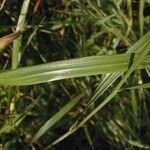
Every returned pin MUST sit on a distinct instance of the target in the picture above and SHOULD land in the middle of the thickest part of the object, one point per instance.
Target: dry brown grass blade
(7, 39)
(2, 3)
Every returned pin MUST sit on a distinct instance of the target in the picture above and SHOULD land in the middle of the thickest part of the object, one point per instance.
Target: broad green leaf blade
(54, 119)
(70, 68)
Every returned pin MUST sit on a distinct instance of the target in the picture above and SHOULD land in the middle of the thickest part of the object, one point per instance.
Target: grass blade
(68, 69)
(54, 119)
(20, 27)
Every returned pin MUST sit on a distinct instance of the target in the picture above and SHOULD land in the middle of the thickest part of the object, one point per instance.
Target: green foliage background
(72, 58)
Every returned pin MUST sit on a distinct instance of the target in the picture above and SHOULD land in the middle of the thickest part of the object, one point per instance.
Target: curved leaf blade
(79, 67)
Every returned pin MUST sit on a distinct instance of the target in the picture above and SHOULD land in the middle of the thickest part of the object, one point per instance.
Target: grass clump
(76, 76)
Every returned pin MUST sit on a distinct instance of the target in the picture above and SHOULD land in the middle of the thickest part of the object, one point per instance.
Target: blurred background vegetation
(64, 29)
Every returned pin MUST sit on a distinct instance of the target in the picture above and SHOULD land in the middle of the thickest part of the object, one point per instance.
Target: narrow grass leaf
(143, 86)
(141, 16)
(20, 26)
(54, 119)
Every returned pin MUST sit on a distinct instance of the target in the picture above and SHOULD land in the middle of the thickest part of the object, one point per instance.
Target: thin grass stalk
(141, 16)
(129, 8)
(134, 102)
(20, 27)
(16, 52)
(130, 21)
